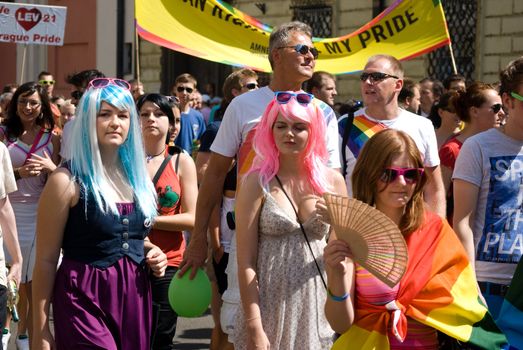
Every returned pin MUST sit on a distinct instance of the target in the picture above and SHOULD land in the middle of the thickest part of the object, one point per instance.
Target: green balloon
(190, 298)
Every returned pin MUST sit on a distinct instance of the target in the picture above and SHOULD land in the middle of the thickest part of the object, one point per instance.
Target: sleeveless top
(169, 193)
(374, 291)
(101, 239)
(29, 188)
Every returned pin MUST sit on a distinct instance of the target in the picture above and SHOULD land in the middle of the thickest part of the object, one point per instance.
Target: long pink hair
(315, 154)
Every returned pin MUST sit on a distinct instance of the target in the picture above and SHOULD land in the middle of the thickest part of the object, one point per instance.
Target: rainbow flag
(216, 31)
(438, 290)
(510, 318)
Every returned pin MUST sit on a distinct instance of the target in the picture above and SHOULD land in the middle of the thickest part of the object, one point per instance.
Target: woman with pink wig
(279, 236)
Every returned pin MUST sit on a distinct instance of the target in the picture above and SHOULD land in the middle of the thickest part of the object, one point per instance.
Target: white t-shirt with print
(7, 185)
(493, 162)
(420, 129)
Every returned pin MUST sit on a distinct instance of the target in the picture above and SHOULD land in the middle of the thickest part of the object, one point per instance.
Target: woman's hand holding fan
(375, 241)
(336, 254)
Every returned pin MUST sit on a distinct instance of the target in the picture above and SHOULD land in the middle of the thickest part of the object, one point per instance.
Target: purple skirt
(102, 309)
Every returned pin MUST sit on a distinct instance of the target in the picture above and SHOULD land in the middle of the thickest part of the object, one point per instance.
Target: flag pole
(453, 59)
(136, 47)
(23, 64)
(137, 53)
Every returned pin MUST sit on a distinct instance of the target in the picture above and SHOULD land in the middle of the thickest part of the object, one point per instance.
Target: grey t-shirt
(494, 162)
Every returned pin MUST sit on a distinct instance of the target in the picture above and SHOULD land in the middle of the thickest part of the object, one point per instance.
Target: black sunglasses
(376, 76)
(251, 86)
(496, 107)
(303, 49)
(411, 175)
(183, 88)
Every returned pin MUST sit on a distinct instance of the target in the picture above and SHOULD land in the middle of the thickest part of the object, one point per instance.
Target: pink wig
(315, 154)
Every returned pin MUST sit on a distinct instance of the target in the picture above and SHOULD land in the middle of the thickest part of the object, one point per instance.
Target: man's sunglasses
(376, 76)
(100, 83)
(302, 49)
(250, 86)
(516, 96)
(47, 82)
(183, 88)
(411, 175)
(283, 97)
(496, 107)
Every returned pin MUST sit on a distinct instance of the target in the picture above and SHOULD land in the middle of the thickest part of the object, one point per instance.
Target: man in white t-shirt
(7, 231)
(292, 57)
(381, 83)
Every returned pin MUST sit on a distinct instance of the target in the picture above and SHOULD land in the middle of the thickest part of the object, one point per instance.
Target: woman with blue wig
(98, 208)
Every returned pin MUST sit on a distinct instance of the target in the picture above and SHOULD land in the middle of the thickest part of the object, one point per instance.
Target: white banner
(32, 24)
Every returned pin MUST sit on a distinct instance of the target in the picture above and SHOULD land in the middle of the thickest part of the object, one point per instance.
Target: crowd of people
(105, 196)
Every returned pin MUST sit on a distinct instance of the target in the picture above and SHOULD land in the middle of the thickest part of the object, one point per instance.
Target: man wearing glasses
(192, 125)
(381, 82)
(292, 57)
(47, 81)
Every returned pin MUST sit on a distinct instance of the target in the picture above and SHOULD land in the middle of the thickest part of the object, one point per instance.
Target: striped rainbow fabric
(438, 290)
(510, 318)
(362, 130)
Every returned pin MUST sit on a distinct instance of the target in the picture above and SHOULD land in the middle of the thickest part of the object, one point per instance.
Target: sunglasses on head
(47, 82)
(183, 88)
(411, 175)
(496, 107)
(303, 98)
(302, 49)
(376, 76)
(100, 83)
(250, 86)
(516, 96)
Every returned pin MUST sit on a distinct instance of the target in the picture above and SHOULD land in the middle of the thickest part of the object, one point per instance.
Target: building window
(317, 14)
(461, 18)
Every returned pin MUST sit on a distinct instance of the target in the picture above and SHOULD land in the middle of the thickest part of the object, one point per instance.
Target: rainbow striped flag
(362, 130)
(510, 318)
(438, 290)
(216, 31)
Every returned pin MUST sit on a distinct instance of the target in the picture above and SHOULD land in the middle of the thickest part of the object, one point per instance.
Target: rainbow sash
(362, 130)
(438, 290)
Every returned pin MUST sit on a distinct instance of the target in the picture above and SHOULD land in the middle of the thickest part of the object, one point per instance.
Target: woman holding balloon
(174, 178)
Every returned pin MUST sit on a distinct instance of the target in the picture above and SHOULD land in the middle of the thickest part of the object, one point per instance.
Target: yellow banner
(218, 32)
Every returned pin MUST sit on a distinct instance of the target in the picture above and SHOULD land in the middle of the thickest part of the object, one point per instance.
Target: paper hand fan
(375, 240)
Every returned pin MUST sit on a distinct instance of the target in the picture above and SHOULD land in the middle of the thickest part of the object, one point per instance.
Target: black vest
(99, 239)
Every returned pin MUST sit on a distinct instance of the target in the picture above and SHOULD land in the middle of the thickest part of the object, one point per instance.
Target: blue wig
(86, 162)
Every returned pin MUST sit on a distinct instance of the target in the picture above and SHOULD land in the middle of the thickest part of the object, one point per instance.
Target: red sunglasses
(411, 175)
